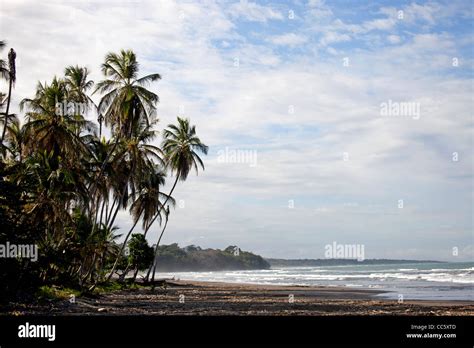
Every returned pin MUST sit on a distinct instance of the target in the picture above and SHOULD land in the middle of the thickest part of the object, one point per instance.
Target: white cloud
(290, 39)
(252, 11)
(318, 9)
(393, 39)
(333, 37)
(380, 24)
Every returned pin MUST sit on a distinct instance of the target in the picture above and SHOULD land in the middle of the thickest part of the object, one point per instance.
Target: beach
(180, 297)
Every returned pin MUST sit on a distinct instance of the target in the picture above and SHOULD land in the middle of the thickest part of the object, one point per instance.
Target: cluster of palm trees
(74, 180)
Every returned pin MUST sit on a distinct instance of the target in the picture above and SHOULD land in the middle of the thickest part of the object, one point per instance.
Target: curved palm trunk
(121, 250)
(89, 273)
(151, 223)
(156, 253)
(135, 275)
(125, 272)
(163, 205)
(110, 224)
(109, 213)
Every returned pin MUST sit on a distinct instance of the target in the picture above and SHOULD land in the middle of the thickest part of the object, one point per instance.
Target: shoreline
(182, 297)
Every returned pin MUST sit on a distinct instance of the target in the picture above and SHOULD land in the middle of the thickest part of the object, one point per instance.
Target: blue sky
(306, 97)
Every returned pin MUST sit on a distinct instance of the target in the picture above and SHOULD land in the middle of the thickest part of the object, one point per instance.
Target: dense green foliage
(17, 275)
(140, 254)
(63, 182)
(192, 258)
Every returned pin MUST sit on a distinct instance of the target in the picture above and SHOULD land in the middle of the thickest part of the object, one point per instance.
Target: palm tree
(179, 147)
(12, 79)
(149, 198)
(140, 157)
(46, 129)
(52, 186)
(126, 101)
(77, 83)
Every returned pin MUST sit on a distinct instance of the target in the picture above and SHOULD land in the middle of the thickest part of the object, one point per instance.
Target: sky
(352, 119)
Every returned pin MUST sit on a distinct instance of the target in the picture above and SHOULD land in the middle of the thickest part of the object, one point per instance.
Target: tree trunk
(108, 213)
(135, 275)
(5, 124)
(156, 250)
(89, 273)
(163, 205)
(121, 249)
(151, 223)
(113, 217)
(101, 212)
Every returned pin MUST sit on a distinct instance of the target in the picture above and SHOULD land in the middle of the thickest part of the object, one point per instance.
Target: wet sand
(212, 298)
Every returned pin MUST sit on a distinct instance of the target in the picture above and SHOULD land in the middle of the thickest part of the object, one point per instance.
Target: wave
(318, 276)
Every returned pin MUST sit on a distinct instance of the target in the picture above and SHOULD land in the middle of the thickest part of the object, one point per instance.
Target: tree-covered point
(192, 258)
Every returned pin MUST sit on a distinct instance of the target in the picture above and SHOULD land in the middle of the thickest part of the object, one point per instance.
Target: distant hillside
(336, 262)
(172, 258)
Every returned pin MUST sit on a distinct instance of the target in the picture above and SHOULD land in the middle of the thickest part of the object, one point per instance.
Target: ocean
(415, 281)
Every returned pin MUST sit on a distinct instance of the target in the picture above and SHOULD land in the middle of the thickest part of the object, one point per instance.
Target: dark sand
(209, 298)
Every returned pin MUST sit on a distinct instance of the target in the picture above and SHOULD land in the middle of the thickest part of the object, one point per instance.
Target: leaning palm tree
(11, 79)
(180, 147)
